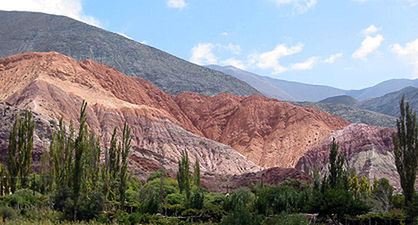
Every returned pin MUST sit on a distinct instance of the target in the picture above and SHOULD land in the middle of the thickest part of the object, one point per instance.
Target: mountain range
(38, 32)
(295, 91)
(172, 106)
(235, 138)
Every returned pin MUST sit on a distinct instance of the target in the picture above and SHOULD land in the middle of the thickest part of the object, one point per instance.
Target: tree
(196, 173)
(336, 167)
(183, 175)
(381, 195)
(406, 153)
(19, 154)
(126, 145)
(335, 200)
(79, 148)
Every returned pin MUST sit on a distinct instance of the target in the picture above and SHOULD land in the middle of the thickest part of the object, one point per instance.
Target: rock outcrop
(269, 132)
(368, 150)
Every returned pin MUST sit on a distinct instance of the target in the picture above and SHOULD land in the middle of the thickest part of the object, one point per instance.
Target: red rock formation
(55, 85)
(269, 132)
(368, 149)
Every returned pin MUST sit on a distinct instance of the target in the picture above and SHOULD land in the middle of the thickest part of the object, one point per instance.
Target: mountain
(368, 151)
(233, 137)
(341, 99)
(389, 103)
(260, 83)
(55, 85)
(382, 88)
(269, 132)
(353, 114)
(37, 32)
(281, 89)
(295, 91)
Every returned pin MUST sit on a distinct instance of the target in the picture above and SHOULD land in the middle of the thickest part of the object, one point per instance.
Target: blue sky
(348, 44)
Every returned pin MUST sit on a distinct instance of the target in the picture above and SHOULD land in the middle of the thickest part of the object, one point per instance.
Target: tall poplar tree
(406, 153)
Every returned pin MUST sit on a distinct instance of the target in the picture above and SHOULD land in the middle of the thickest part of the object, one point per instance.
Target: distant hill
(295, 91)
(382, 88)
(352, 114)
(281, 89)
(389, 103)
(38, 32)
(341, 99)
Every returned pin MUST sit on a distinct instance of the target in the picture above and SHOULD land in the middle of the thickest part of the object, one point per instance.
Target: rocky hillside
(353, 114)
(37, 32)
(269, 132)
(368, 149)
(52, 84)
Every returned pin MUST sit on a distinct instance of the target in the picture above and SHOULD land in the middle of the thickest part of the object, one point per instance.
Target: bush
(90, 206)
(7, 213)
(275, 199)
(24, 198)
(197, 200)
(286, 219)
(174, 198)
(241, 198)
(241, 216)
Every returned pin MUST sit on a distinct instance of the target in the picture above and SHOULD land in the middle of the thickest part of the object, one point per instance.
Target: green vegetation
(75, 187)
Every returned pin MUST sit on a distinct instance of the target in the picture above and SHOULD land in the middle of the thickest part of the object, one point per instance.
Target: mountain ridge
(296, 91)
(38, 32)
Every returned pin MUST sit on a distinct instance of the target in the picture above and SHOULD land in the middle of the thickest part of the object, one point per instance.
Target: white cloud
(234, 62)
(179, 4)
(235, 49)
(224, 34)
(270, 59)
(369, 45)
(371, 30)
(70, 8)
(409, 53)
(300, 6)
(333, 58)
(307, 65)
(202, 54)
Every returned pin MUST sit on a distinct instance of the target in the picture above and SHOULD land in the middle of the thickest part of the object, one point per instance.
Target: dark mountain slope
(389, 103)
(26, 31)
(382, 88)
(341, 99)
(352, 114)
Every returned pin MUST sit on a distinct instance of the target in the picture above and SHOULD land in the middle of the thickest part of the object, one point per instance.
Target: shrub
(286, 219)
(24, 198)
(241, 216)
(7, 213)
(197, 200)
(241, 198)
(174, 198)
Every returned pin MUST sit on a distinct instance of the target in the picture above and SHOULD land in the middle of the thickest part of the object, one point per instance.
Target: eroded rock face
(55, 85)
(368, 150)
(269, 132)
